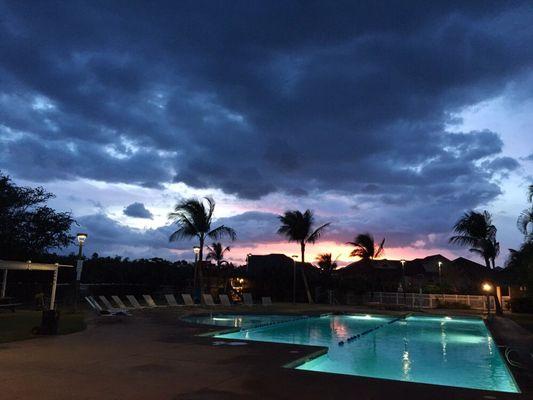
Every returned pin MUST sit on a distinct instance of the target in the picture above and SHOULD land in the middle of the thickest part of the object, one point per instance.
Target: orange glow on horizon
(237, 255)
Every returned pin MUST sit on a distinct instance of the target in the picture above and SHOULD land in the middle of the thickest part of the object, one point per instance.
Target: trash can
(49, 323)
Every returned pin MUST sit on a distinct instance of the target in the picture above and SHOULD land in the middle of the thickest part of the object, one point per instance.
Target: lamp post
(402, 261)
(196, 250)
(487, 288)
(294, 257)
(440, 280)
(81, 237)
(248, 261)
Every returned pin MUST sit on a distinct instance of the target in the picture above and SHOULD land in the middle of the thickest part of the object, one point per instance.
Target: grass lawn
(18, 325)
(524, 320)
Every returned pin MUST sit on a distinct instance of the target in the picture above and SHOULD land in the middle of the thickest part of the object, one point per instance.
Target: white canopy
(30, 266)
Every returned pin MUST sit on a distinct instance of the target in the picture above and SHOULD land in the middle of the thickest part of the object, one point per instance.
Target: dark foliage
(28, 227)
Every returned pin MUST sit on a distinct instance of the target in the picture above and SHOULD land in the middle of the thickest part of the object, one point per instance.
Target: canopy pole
(4, 284)
(54, 286)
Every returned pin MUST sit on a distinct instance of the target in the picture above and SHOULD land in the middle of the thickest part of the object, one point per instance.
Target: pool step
(267, 324)
(360, 335)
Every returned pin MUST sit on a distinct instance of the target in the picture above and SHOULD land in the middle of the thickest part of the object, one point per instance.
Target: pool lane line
(364, 333)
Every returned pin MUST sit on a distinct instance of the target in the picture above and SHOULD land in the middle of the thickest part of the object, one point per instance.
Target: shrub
(522, 304)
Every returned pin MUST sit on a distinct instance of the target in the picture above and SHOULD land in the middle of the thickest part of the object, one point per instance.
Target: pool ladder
(360, 335)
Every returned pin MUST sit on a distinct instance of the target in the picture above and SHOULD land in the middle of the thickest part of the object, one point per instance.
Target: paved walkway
(153, 355)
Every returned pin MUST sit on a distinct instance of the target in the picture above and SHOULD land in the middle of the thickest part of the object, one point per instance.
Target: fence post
(430, 301)
(380, 298)
(468, 299)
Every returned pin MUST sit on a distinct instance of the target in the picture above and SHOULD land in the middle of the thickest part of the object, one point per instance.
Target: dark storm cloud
(137, 210)
(256, 98)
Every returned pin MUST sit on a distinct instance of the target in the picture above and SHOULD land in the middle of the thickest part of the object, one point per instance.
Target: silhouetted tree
(194, 218)
(298, 227)
(475, 229)
(525, 220)
(217, 252)
(365, 247)
(28, 227)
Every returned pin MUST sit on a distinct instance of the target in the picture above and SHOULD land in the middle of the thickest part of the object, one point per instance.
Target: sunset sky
(392, 118)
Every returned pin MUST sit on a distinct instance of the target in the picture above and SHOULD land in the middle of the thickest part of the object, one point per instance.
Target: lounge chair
(267, 301)
(187, 299)
(224, 300)
(208, 300)
(149, 301)
(119, 302)
(107, 304)
(247, 298)
(113, 312)
(133, 301)
(171, 300)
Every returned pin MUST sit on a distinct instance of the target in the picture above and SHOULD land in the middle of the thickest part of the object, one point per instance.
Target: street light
(440, 278)
(487, 288)
(196, 250)
(81, 237)
(294, 257)
(402, 284)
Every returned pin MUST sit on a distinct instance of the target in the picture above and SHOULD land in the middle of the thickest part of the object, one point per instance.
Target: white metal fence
(432, 300)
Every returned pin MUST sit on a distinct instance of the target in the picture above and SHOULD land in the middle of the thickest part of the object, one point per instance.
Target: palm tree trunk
(487, 262)
(199, 265)
(309, 297)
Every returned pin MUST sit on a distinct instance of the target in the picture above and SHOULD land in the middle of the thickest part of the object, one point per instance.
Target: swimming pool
(237, 320)
(437, 350)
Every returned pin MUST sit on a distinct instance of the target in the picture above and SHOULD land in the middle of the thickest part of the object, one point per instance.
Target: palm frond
(380, 250)
(313, 237)
(222, 231)
(524, 220)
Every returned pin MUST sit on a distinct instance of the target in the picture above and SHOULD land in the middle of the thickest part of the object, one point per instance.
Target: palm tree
(489, 249)
(298, 227)
(216, 253)
(326, 263)
(475, 229)
(526, 218)
(193, 218)
(366, 248)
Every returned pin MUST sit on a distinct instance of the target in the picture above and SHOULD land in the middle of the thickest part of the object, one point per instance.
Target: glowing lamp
(81, 238)
(196, 249)
(487, 287)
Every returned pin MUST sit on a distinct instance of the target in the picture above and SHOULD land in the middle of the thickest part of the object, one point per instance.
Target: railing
(432, 300)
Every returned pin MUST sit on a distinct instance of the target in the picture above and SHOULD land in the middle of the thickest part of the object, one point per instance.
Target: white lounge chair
(107, 304)
(208, 300)
(133, 301)
(267, 301)
(187, 299)
(247, 298)
(171, 300)
(113, 312)
(149, 301)
(224, 300)
(119, 302)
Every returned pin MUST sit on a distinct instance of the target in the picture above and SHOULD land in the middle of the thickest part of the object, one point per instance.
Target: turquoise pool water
(442, 351)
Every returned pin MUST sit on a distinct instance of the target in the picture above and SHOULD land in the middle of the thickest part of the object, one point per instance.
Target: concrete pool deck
(155, 355)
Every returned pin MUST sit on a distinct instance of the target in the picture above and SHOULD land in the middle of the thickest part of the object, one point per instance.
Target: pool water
(438, 350)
